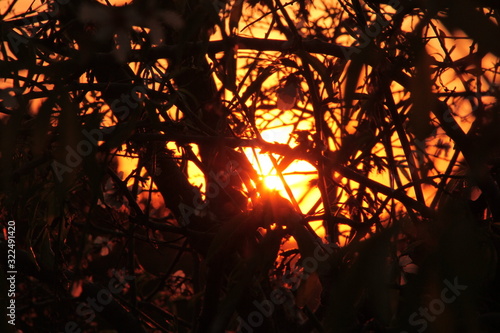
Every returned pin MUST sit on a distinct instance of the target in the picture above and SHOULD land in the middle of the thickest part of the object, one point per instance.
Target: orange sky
(274, 131)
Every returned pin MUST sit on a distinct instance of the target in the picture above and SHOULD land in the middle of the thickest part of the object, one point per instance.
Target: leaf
(287, 95)
(403, 168)
(256, 85)
(450, 51)
(421, 93)
(244, 274)
(353, 72)
(77, 288)
(230, 235)
(289, 63)
(476, 25)
(309, 293)
(442, 34)
(235, 15)
(323, 72)
(230, 78)
(42, 126)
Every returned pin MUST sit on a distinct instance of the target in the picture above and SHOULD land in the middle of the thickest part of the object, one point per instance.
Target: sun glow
(274, 182)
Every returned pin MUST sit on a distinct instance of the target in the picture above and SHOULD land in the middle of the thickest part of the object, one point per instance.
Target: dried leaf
(76, 288)
(234, 17)
(289, 63)
(287, 95)
(309, 293)
(323, 72)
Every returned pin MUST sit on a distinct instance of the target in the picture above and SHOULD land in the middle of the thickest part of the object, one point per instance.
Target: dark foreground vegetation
(108, 114)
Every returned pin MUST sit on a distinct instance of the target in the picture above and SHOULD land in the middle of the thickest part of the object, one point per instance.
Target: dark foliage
(133, 144)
